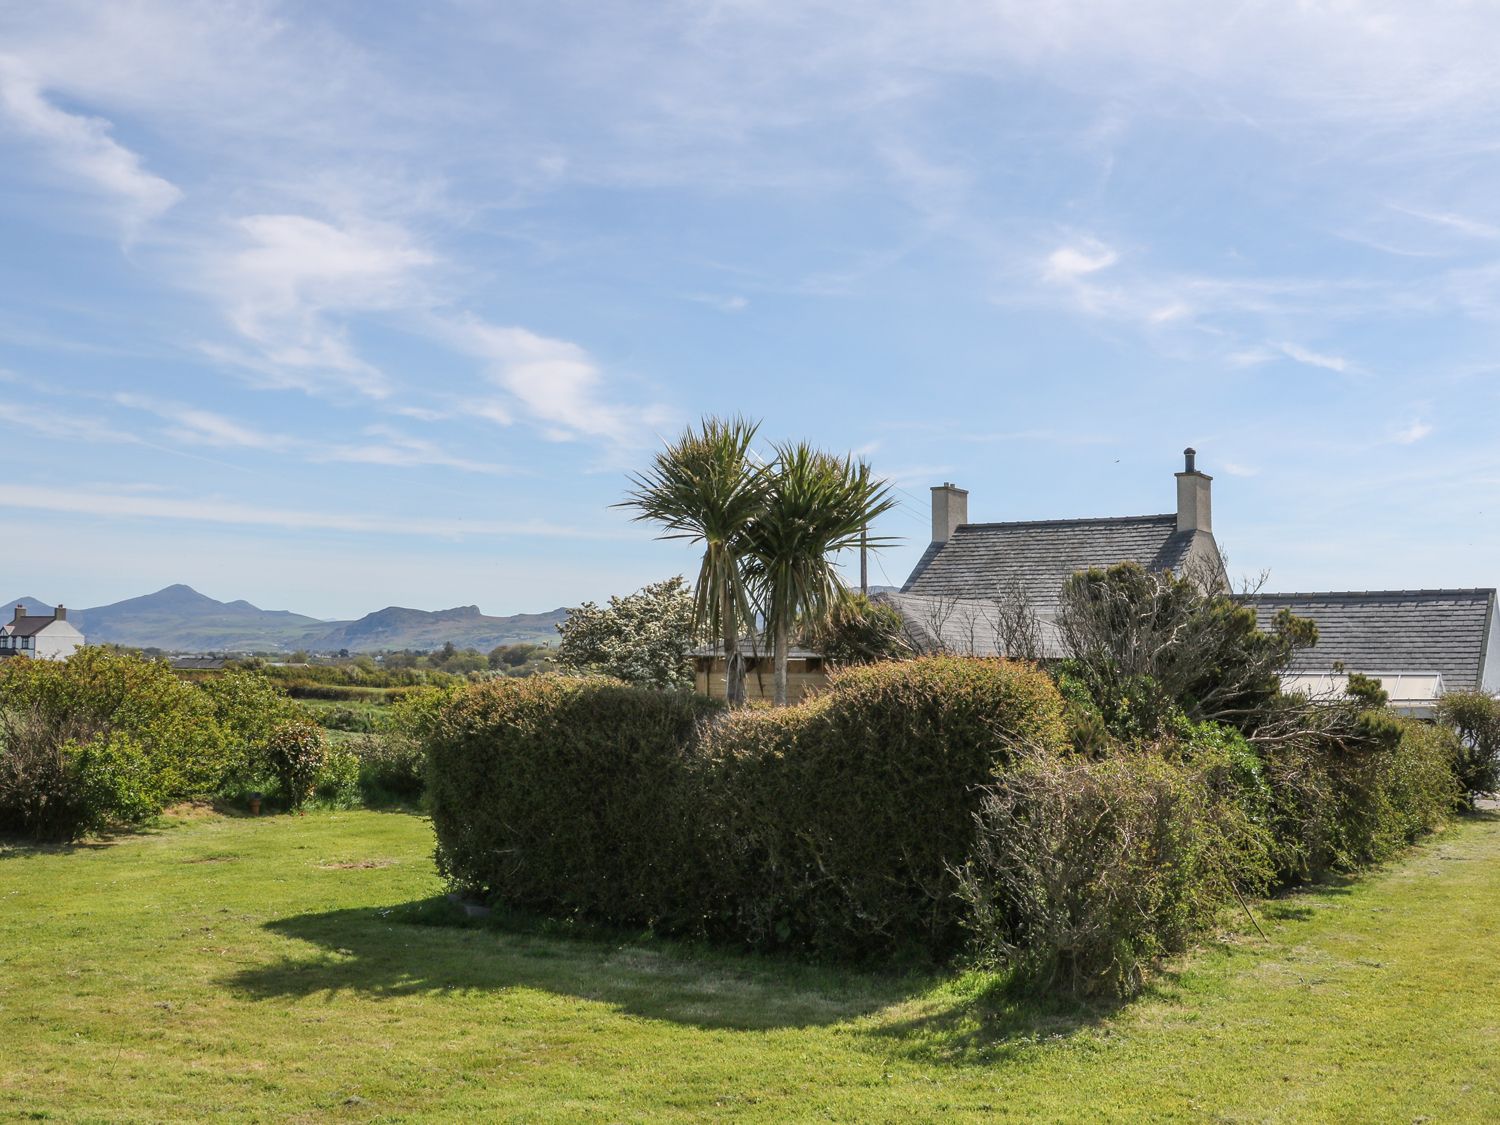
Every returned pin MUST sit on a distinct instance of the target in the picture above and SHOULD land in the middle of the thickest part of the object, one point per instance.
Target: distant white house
(50, 637)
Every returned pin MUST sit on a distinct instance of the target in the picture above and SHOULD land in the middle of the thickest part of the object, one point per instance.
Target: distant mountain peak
(180, 619)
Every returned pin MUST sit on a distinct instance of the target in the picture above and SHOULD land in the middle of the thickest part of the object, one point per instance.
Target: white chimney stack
(1194, 496)
(950, 508)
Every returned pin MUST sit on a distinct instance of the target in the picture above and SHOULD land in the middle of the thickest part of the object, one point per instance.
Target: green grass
(261, 970)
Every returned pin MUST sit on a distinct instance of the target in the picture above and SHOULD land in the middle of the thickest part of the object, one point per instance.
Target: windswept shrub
(838, 822)
(1340, 804)
(1475, 718)
(295, 754)
(568, 795)
(101, 738)
(1085, 872)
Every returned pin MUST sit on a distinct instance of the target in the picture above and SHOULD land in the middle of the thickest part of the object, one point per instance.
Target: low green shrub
(392, 768)
(347, 719)
(248, 707)
(100, 739)
(295, 755)
(1475, 718)
(1341, 804)
(336, 784)
(1085, 872)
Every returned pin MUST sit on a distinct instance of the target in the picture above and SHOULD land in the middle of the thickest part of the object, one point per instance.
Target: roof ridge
(1373, 593)
(1078, 520)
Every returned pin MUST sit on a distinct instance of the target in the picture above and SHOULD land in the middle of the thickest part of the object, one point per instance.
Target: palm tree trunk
(734, 663)
(779, 640)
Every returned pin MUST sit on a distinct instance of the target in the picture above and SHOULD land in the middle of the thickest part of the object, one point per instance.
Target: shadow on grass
(22, 847)
(380, 953)
(978, 1019)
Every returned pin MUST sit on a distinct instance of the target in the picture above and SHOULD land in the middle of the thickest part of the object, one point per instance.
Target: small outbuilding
(805, 671)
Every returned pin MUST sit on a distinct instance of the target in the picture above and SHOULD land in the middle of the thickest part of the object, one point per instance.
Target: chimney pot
(1190, 455)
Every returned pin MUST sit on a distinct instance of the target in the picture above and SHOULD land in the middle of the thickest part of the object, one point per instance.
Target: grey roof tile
(1036, 556)
(1443, 631)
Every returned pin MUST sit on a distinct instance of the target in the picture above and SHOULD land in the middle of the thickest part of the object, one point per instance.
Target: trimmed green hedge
(906, 810)
(832, 826)
(838, 823)
(568, 796)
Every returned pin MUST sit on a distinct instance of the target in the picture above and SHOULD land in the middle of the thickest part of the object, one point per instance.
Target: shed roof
(1441, 631)
(1037, 556)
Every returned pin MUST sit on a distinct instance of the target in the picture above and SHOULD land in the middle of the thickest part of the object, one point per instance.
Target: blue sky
(337, 306)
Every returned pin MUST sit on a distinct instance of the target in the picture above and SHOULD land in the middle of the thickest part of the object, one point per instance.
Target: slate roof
(1038, 555)
(966, 626)
(1443, 631)
(28, 626)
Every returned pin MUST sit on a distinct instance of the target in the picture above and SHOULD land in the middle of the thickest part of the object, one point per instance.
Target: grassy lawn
(255, 969)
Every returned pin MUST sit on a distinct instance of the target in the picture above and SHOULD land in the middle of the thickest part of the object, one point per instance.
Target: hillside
(465, 626)
(180, 619)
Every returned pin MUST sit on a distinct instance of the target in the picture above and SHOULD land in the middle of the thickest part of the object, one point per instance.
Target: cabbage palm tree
(815, 506)
(705, 488)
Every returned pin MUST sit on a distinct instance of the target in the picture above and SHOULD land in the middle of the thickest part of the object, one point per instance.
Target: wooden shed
(804, 672)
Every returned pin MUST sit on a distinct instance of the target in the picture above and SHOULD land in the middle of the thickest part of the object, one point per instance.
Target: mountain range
(180, 619)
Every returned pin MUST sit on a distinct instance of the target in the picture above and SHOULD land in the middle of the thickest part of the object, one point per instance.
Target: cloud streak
(84, 147)
(220, 510)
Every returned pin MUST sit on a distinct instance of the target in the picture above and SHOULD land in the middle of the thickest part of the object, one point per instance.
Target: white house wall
(1490, 677)
(57, 641)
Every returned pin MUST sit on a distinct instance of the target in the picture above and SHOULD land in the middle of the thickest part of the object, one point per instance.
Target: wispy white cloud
(1413, 432)
(1068, 263)
(196, 426)
(557, 383)
(65, 424)
(403, 451)
(730, 303)
(1463, 224)
(290, 279)
(1315, 359)
(223, 510)
(83, 147)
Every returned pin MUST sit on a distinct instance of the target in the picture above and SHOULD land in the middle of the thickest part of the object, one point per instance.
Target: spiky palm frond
(705, 488)
(815, 506)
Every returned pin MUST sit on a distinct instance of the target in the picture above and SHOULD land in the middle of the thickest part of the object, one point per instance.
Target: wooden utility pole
(864, 564)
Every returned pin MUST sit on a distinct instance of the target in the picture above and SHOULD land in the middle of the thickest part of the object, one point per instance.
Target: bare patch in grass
(355, 864)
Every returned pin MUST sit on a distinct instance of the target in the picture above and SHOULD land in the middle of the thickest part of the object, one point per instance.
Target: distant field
(260, 969)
